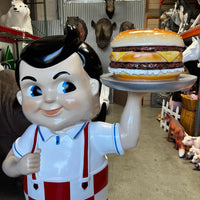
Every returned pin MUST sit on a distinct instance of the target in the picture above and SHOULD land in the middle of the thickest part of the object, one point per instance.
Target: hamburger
(146, 54)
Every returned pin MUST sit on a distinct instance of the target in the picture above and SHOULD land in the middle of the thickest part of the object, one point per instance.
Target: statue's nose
(50, 96)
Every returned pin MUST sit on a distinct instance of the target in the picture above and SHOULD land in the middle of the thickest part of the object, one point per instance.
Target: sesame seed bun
(147, 54)
(148, 37)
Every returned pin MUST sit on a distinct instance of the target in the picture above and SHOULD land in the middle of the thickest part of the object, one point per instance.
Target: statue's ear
(19, 97)
(94, 86)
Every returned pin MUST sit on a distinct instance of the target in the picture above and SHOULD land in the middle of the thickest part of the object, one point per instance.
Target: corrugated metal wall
(55, 27)
(124, 10)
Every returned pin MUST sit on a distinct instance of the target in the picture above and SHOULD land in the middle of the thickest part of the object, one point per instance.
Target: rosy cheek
(29, 106)
(72, 104)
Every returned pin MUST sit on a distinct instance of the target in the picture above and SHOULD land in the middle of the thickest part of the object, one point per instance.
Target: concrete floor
(151, 171)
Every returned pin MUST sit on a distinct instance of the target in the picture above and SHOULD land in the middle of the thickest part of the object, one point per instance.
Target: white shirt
(62, 156)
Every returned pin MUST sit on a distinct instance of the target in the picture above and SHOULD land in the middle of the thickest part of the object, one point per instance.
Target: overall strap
(35, 139)
(33, 148)
(25, 181)
(85, 157)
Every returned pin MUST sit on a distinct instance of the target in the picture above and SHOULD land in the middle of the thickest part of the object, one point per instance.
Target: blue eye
(65, 87)
(34, 91)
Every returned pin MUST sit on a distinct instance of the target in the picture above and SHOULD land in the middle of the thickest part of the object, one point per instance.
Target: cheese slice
(158, 56)
(118, 55)
(169, 55)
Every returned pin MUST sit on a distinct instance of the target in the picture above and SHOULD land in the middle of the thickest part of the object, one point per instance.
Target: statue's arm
(28, 164)
(130, 122)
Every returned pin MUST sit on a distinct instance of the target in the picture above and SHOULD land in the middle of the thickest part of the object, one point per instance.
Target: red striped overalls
(61, 190)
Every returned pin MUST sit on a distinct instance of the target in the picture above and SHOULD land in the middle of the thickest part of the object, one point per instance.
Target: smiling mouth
(51, 112)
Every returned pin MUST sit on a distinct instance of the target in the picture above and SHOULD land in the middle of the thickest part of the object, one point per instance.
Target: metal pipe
(197, 116)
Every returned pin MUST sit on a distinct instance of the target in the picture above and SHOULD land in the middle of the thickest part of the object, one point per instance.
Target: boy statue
(62, 155)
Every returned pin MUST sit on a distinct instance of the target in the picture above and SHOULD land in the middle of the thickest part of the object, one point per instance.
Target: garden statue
(18, 17)
(179, 133)
(62, 154)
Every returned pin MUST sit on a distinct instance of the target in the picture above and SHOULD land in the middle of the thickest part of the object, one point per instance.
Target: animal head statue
(126, 25)
(18, 6)
(192, 52)
(103, 31)
(110, 8)
(79, 24)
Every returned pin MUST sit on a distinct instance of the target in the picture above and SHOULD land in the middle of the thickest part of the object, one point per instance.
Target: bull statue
(103, 31)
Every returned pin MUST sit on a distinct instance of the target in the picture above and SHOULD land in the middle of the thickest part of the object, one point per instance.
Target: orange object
(161, 2)
(179, 132)
(191, 32)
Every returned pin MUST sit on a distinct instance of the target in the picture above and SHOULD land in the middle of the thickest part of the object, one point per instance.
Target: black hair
(51, 50)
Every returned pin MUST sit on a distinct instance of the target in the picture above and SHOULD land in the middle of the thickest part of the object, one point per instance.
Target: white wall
(131, 11)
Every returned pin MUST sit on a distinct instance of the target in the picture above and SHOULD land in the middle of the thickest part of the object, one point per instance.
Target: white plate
(184, 81)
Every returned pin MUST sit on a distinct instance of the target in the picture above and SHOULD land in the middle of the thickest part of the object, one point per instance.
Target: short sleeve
(106, 137)
(23, 144)
(117, 139)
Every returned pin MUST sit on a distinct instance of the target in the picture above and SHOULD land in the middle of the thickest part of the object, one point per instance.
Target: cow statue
(103, 31)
